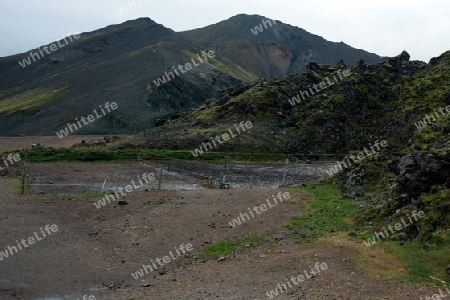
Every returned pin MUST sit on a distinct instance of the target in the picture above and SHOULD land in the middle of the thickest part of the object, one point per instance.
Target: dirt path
(95, 251)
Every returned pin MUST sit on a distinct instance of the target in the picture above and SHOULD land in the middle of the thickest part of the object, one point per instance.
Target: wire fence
(233, 174)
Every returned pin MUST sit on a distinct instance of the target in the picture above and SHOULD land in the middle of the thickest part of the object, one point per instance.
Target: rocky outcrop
(418, 171)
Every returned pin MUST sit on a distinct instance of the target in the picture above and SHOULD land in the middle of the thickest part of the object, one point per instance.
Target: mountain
(122, 64)
(115, 64)
(272, 49)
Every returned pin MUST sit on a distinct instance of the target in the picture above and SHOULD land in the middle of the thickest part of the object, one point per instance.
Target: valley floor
(96, 251)
(16, 143)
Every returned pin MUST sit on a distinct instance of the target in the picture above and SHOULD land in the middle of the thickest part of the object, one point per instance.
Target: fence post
(285, 171)
(22, 188)
(224, 179)
(160, 176)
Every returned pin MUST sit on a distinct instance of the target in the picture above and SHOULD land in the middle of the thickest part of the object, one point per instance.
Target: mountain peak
(123, 63)
(143, 21)
(246, 17)
(139, 23)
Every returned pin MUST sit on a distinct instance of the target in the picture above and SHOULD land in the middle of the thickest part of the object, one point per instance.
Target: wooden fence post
(160, 176)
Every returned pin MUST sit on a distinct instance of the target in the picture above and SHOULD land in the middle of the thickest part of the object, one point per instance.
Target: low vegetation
(88, 154)
(326, 213)
(29, 100)
(227, 248)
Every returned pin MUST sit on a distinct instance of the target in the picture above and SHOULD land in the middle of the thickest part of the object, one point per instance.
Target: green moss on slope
(29, 100)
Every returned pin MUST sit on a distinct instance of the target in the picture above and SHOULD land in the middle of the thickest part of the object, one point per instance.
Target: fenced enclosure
(177, 174)
(235, 175)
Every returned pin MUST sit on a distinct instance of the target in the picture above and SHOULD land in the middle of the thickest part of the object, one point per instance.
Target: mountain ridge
(117, 63)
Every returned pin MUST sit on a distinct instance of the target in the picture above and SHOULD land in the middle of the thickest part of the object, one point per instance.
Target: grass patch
(374, 260)
(409, 262)
(14, 186)
(405, 263)
(88, 155)
(419, 264)
(326, 212)
(83, 155)
(28, 101)
(26, 188)
(223, 249)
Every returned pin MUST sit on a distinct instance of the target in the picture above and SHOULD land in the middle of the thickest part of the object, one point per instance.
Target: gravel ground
(95, 251)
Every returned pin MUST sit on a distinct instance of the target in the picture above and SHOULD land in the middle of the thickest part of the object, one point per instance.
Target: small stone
(410, 177)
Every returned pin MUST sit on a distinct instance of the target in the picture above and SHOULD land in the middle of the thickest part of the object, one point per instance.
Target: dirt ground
(16, 143)
(95, 251)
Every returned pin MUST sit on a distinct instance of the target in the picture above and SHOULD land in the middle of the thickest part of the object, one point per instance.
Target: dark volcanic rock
(419, 171)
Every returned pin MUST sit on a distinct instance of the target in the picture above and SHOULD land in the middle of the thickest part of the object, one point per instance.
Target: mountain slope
(122, 64)
(276, 50)
(117, 63)
(375, 102)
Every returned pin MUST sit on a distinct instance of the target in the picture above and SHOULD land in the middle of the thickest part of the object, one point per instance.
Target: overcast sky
(421, 27)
